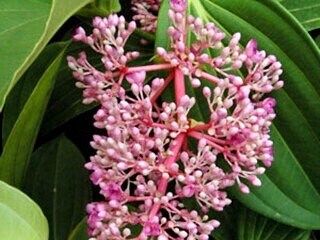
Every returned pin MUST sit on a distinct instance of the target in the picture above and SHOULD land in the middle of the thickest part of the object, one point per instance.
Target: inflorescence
(145, 163)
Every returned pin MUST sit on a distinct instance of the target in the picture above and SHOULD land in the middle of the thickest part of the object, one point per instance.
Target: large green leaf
(228, 219)
(240, 223)
(59, 183)
(290, 191)
(25, 28)
(22, 90)
(318, 41)
(100, 8)
(306, 11)
(163, 24)
(252, 226)
(80, 231)
(21, 218)
(19, 145)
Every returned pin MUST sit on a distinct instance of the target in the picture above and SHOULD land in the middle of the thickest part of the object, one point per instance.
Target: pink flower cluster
(145, 163)
(145, 12)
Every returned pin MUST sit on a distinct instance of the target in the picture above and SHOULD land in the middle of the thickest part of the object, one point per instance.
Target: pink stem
(201, 127)
(210, 138)
(178, 142)
(163, 183)
(142, 198)
(148, 68)
(180, 91)
(154, 96)
(179, 85)
(199, 136)
(210, 77)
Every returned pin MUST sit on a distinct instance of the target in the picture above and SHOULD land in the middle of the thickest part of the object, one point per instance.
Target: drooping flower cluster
(145, 163)
(146, 12)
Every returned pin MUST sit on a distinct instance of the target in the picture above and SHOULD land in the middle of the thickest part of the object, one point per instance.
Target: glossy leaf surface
(19, 145)
(80, 231)
(306, 11)
(23, 89)
(20, 217)
(29, 25)
(59, 183)
(252, 226)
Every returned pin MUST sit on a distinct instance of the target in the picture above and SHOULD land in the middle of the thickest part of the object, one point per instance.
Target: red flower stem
(201, 127)
(134, 199)
(214, 142)
(155, 95)
(148, 68)
(179, 85)
(210, 77)
(180, 90)
(208, 137)
(199, 136)
(163, 183)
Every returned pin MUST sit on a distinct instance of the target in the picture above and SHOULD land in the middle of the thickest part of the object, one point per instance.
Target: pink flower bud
(244, 188)
(206, 92)
(80, 34)
(188, 191)
(195, 82)
(178, 5)
(251, 48)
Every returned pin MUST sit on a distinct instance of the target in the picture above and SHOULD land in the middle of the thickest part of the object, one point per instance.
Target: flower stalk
(145, 160)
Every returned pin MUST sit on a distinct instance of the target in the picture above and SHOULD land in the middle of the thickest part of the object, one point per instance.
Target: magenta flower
(151, 228)
(145, 160)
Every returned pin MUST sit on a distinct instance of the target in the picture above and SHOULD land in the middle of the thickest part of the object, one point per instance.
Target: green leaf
(100, 8)
(252, 226)
(290, 190)
(59, 183)
(22, 90)
(306, 11)
(163, 22)
(80, 231)
(227, 218)
(239, 223)
(25, 28)
(21, 218)
(318, 41)
(19, 145)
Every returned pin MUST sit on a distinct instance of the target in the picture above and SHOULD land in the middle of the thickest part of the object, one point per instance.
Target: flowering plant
(146, 147)
(181, 125)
